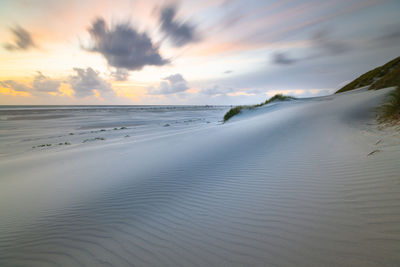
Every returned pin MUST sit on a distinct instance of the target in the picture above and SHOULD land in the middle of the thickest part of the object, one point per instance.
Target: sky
(102, 52)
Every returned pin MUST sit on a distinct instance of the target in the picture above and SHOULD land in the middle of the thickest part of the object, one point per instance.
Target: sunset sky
(188, 52)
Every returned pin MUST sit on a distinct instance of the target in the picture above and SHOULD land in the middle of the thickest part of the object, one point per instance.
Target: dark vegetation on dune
(390, 110)
(236, 110)
(384, 76)
(378, 78)
(387, 75)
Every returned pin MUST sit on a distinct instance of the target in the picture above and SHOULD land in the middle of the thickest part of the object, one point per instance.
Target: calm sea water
(23, 128)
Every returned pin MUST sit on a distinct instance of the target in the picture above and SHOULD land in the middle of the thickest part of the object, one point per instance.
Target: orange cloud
(97, 95)
(12, 92)
(66, 90)
(130, 90)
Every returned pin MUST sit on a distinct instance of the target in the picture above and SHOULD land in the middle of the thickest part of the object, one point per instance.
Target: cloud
(180, 33)
(390, 35)
(42, 83)
(227, 90)
(322, 44)
(228, 71)
(86, 81)
(322, 40)
(170, 85)
(22, 40)
(217, 90)
(120, 74)
(281, 58)
(16, 86)
(124, 47)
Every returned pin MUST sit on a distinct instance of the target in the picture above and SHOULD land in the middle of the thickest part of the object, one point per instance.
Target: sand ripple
(277, 190)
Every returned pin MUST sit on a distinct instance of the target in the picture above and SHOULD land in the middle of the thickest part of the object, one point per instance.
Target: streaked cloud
(23, 40)
(123, 46)
(321, 44)
(323, 40)
(389, 36)
(180, 33)
(270, 45)
(14, 85)
(281, 58)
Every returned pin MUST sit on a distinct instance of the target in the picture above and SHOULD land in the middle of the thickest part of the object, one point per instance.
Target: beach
(307, 182)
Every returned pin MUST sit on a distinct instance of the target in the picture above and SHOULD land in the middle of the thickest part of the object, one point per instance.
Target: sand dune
(288, 184)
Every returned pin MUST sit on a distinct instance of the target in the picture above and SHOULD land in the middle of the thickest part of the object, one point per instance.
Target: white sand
(289, 184)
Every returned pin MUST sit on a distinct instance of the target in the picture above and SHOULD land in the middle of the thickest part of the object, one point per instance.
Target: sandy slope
(290, 184)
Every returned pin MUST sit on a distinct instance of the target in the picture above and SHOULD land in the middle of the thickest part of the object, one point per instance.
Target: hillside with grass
(384, 76)
(387, 75)
(378, 78)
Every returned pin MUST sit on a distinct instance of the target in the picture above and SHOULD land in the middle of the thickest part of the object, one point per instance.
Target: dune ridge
(287, 185)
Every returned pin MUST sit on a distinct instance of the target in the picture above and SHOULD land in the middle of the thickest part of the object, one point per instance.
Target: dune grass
(390, 110)
(384, 76)
(389, 80)
(93, 139)
(43, 145)
(236, 110)
(278, 97)
(232, 112)
(381, 77)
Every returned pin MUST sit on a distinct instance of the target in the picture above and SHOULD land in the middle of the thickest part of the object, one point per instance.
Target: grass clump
(236, 110)
(390, 110)
(121, 128)
(279, 97)
(232, 112)
(65, 143)
(93, 139)
(44, 145)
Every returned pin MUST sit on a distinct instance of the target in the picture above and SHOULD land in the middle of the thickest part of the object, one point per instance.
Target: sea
(27, 128)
